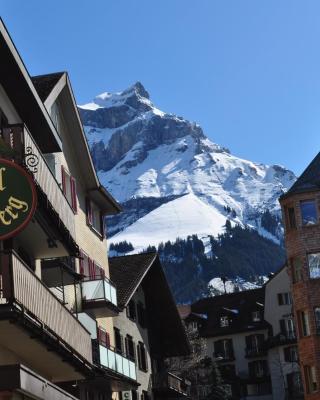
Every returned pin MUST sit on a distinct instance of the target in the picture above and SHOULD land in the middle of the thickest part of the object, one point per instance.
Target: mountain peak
(139, 89)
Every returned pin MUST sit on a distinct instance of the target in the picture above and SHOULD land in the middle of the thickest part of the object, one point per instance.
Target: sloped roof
(127, 272)
(44, 84)
(238, 306)
(166, 333)
(309, 180)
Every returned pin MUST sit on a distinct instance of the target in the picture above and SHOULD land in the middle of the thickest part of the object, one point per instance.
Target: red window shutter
(63, 178)
(91, 268)
(108, 340)
(81, 263)
(102, 226)
(89, 211)
(73, 193)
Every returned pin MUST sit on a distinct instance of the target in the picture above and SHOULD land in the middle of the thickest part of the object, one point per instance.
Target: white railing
(99, 289)
(117, 363)
(21, 285)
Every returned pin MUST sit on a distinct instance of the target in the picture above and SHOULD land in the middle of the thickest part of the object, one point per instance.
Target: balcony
(169, 385)
(33, 321)
(23, 149)
(110, 359)
(252, 352)
(19, 379)
(282, 339)
(59, 271)
(99, 296)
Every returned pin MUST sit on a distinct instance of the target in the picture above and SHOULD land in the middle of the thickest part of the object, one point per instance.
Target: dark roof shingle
(309, 180)
(45, 83)
(127, 271)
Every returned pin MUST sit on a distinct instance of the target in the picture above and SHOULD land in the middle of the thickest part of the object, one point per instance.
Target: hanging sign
(18, 198)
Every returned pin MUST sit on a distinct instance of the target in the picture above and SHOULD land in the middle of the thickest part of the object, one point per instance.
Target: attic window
(308, 212)
(224, 321)
(94, 217)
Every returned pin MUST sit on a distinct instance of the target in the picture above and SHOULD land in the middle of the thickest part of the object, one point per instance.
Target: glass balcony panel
(119, 364)
(104, 356)
(113, 295)
(107, 289)
(132, 370)
(126, 369)
(112, 360)
(92, 290)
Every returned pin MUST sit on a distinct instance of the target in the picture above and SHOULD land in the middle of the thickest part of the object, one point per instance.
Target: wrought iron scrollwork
(31, 160)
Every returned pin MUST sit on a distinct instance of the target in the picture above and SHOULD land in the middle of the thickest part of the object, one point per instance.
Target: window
(89, 268)
(284, 299)
(118, 340)
(142, 357)
(296, 269)
(103, 337)
(291, 354)
(310, 378)
(224, 321)
(308, 212)
(287, 328)
(69, 188)
(256, 316)
(130, 353)
(317, 319)
(258, 369)
(223, 349)
(304, 323)
(254, 344)
(141, 315)
(94, 217)
(131, 310)
(314, 265)
(291, 217)
(294, 384)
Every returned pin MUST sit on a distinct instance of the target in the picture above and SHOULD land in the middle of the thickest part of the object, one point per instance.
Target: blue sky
(247, 71)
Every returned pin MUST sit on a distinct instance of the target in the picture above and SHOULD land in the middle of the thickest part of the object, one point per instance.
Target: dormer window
(308, 212)
(224, 321)
(94, 217)
(256, 316)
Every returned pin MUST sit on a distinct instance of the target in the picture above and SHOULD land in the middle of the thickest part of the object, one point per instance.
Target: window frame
(131, 310)
(314, 201)
(304, 323)
(91, 210)
(297, 273)
(73, 200)
(308, 260)
(310, 373)
(142, 357)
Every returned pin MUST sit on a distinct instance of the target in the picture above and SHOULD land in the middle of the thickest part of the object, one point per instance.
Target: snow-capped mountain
(172, 180)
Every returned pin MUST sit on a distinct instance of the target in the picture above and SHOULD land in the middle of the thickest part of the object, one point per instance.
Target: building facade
(300, 210)
(236, 335)
(282, 347)
(58, 305)
(148, 326)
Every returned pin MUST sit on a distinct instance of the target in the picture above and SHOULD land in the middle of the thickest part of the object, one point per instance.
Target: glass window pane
(314, 265)
(308, 212)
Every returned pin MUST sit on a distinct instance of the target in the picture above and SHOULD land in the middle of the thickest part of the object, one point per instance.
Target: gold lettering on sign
(10, 213)
(18, 204)
(2, 187)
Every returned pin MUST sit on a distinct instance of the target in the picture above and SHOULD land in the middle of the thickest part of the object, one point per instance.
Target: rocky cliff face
(172, 180)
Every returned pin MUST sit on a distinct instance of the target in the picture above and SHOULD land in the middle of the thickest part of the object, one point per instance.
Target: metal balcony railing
(168, 381)
(107, 357)
(21, 288)
(99, 289)
(25, 151)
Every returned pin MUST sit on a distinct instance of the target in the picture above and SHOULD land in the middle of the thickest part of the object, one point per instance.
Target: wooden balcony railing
(21, 287)
(168, 381)
(23, 149)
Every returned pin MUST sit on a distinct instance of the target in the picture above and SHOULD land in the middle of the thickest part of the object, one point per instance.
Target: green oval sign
(18, 198)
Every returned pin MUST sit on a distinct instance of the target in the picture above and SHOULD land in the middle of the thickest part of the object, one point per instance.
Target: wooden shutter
(108, 340)
(91, 268)
(81, 263)
(218, 348)
(139, 355)
(73, 194)
(287, 354)
(280, 299)
(102, 226)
